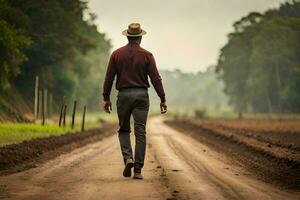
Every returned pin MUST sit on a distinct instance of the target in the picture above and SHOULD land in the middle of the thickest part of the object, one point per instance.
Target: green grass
(93, 118)
(11, 133)
(17, 132)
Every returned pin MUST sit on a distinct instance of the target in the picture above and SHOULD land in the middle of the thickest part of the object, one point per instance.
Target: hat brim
(135, 35)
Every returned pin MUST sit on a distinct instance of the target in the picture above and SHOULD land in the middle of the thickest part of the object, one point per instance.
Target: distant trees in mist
(193, 90)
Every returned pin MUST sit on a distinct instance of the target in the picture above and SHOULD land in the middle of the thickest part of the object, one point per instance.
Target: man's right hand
(163, 107)
(107, 106)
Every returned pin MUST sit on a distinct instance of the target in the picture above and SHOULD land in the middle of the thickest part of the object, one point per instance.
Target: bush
(200, 113)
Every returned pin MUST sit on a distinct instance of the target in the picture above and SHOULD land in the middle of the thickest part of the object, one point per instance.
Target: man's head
(134, 33)
(136, 40)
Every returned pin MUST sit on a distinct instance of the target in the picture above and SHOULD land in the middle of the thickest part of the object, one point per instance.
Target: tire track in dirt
(225, 188)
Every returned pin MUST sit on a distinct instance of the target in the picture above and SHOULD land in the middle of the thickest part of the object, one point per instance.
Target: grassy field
(17, 132)
(11, 133)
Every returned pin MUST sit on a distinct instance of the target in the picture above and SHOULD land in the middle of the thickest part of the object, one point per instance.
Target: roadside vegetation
(11, 133)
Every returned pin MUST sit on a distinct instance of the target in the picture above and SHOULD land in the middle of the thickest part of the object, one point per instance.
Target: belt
(133, 90)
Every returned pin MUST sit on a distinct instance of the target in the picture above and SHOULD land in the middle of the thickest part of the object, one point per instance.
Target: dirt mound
(277, 164)
(282, 133)
(17, 157)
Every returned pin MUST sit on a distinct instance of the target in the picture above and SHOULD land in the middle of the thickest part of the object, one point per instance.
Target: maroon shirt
(132, 64)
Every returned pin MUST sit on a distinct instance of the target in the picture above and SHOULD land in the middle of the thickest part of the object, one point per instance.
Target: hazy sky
(184, 34)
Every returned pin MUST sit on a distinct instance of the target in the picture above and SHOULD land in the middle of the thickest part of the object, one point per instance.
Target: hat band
(134, 33)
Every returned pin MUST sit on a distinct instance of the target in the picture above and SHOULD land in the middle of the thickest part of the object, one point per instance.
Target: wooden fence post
(46, 102)
(73, 114)
(83, 118)
(36, 98)
(64, 115)
(50, 109)
(43, 108)
(40, 103)
(61, 111)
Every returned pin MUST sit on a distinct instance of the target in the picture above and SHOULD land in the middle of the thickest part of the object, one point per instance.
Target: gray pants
(135, 102)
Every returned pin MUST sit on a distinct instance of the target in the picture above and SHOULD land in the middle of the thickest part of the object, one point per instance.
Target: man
(132, 65)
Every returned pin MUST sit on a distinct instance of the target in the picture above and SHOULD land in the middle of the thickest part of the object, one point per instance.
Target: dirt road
(176, 167)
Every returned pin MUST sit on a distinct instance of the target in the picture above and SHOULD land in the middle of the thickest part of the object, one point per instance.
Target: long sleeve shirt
(132, 65)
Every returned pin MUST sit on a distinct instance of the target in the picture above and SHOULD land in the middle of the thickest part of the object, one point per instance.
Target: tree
(65, 45)
(12, 43)
(261, 56)
(234, 64)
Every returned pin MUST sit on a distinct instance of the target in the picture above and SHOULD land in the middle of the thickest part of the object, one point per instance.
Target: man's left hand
(163, 107)
(107, 106)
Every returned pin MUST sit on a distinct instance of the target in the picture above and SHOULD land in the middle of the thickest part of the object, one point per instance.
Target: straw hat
(134, 30)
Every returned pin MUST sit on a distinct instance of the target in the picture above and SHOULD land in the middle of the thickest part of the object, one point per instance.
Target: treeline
(190, 91)
(56, 40)
(260, 64)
